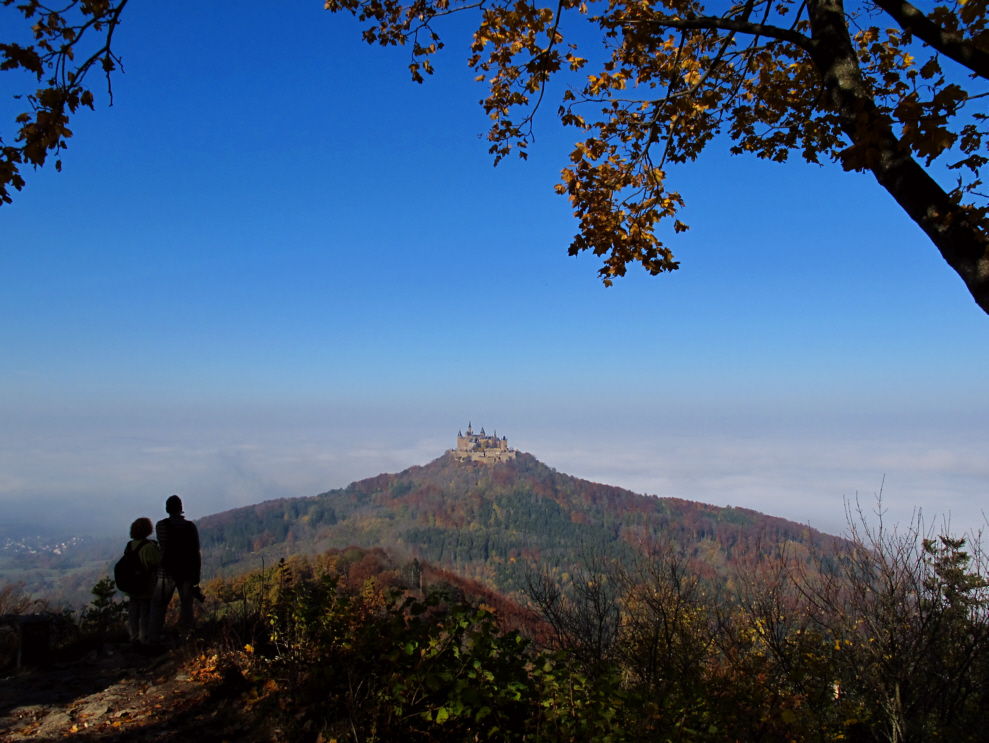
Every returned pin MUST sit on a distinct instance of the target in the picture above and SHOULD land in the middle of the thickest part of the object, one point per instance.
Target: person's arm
(161, 531)
(198, 559)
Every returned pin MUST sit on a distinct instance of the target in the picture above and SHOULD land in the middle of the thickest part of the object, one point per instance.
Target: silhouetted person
(180, 566)
(139, 619)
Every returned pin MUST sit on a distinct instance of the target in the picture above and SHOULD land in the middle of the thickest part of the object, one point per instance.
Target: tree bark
(962, 243)
(950, 43)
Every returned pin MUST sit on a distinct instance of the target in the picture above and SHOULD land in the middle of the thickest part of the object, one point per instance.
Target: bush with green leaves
(374, 665)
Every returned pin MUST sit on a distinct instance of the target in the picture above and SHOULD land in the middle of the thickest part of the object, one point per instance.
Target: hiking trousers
(164, 590)
(139, 619)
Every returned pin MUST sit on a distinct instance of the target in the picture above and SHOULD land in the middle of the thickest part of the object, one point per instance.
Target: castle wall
(478, 448)
(489, 456)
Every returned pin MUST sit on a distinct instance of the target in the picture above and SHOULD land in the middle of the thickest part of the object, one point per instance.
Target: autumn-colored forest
(882, 642)
(514, 602)
(881, 638)
(486, 522)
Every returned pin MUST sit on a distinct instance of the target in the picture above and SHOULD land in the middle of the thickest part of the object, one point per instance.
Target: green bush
(374, 665)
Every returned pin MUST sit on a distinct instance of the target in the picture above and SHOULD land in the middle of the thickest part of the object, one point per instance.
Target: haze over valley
(190, 309)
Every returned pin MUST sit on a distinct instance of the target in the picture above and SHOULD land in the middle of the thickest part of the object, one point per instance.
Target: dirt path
(118, 697)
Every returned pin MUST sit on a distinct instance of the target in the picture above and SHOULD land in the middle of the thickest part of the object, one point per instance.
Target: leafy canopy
(57, 36)
(877, 86)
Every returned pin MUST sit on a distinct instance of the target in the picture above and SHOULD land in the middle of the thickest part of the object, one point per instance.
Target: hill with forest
(887, 633)
(486, 521)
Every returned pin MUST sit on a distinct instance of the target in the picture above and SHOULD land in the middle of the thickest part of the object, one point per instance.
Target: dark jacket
(179, 541)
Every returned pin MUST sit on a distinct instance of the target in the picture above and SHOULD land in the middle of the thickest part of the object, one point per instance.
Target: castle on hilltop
(479, 447)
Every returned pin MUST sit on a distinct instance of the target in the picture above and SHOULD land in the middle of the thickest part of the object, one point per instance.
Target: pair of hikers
(150, 572)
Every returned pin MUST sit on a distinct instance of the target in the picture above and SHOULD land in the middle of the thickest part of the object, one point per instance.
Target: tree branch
(951, 44)
(955, 232)
(710, 23)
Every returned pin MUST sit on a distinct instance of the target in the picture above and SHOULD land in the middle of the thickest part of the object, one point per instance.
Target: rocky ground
(121, 695)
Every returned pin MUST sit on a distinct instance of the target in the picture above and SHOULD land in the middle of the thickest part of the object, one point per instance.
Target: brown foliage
(877, 87)
(13, 600)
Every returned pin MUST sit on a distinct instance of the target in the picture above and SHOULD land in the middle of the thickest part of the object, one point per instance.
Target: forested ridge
(612, 617)
(885, 644)
(486, 521)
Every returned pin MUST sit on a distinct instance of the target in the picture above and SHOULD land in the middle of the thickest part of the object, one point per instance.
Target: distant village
(38, 545)
(479, 447)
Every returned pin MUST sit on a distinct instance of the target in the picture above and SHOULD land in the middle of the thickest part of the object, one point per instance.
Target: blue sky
(277, 265)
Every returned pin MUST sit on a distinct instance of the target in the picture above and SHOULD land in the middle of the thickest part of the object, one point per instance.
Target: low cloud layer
(94, 474)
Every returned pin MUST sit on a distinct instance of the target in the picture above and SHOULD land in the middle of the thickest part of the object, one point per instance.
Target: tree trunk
(962, 243)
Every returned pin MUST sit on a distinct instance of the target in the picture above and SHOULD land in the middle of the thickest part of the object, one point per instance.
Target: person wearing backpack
(136, 574)
(179, 569)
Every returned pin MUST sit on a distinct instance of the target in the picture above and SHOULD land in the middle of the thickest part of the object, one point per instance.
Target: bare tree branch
(711, 23)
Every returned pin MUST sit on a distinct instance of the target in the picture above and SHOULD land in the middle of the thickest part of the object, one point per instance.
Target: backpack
(129, 573)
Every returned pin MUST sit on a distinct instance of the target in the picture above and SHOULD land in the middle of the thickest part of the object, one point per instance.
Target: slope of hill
(485, 520)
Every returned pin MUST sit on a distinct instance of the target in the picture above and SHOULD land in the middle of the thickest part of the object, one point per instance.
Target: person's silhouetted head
(173, 506)
(141, 528)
